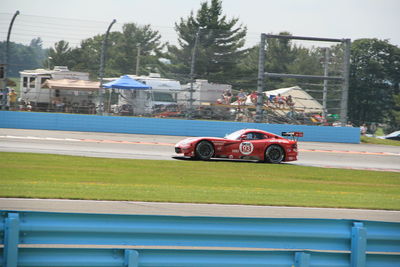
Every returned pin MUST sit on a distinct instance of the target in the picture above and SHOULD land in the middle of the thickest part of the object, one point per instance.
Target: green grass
(55, 176)
(377, 141)
(379, 131)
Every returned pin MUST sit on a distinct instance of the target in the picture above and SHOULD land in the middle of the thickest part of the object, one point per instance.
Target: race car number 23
(246, 148)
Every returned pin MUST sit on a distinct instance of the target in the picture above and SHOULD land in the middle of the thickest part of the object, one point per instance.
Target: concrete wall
(135, 125)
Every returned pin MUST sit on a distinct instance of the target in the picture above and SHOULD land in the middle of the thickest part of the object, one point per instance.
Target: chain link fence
(191, 94)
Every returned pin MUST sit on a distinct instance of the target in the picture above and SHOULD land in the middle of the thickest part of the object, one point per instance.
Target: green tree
(38, 53)
(60, 55)
(134, 39)
(307, 61)
(23, 57)
(281, 56)
(87, 56)
(374, 81)
(220, 43)
(394, 115)
(121, 52)
(248, 70)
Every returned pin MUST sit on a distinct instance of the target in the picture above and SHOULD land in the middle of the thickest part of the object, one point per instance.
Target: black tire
(274, 154)
(204, 150)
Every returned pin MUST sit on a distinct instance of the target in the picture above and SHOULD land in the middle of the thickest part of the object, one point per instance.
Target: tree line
(221, 57)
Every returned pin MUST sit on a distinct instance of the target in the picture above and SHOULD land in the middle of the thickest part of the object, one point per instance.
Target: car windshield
(394, 134)
(235, 135)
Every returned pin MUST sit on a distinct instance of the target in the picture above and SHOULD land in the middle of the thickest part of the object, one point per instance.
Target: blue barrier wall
(188, 241)
(137, 125)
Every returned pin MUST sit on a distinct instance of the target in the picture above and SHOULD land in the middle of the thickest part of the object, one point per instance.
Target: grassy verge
(55, 176)
(377, 141)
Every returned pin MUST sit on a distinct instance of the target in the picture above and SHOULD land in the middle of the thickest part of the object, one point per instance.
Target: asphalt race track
(157, 147)
(133, 146)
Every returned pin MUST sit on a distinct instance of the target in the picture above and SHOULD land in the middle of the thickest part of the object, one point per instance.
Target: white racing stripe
(39, 138)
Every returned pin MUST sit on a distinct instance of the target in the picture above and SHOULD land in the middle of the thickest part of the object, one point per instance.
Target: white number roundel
(246, 148)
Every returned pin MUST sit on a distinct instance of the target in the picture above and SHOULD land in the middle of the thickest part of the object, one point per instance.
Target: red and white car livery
(247, 144)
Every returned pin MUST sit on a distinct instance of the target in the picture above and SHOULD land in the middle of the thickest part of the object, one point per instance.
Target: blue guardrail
(137, 125)
(74, 239)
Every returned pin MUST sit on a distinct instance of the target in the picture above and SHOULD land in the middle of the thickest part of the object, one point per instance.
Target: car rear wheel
(274, 154)
(204, 150)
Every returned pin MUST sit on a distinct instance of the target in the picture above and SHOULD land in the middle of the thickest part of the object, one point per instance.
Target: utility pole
(192, 65)
(260, 80)
(48, 62)
(3, 79)
(138, 60)
(345, 84)
(325, 90)
(102, 62)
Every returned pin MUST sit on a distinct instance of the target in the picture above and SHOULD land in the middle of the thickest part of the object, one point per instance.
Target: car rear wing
(294, 135)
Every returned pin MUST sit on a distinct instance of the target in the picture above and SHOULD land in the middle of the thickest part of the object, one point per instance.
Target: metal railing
(70, 239)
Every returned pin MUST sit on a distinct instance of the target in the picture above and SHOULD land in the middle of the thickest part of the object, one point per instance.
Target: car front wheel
(274, 154)
(204, 150)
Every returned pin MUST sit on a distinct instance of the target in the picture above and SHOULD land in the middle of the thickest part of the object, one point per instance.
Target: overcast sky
(319, 18)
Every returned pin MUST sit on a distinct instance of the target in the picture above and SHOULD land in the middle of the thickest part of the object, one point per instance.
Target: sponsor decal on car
(246, 148)
(280, 141)
(218, 143)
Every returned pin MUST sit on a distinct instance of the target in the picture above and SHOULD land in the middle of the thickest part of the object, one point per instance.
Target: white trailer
(32, 90)
(204, 92)
(162, 95)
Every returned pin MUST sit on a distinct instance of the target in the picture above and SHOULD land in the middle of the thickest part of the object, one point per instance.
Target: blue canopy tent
(125, 83)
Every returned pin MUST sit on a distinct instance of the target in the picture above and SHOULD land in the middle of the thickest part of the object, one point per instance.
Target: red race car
(247, 144)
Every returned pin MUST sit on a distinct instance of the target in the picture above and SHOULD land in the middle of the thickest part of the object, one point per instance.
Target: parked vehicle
(392, 136)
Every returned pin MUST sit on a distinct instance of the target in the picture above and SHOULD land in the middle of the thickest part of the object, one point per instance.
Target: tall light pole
(192, 65)
(3, 80)
(260, 80)
(102, 62)
(138, 59)
(325, 90)
(345, 83)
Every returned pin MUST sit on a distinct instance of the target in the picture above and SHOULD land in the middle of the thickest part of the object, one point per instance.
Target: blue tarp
(126, 82)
